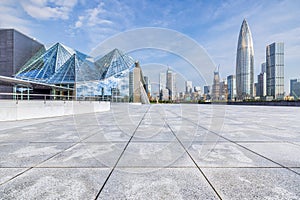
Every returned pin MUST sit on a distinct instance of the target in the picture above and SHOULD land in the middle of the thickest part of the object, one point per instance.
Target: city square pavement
(157, 151)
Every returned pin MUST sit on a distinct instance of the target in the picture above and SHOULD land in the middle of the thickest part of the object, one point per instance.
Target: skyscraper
(216, 86)
(275, 70)
(295, 88)
(231, 84)
(188, 87)
(162, 81)
(171, 84)
(261, 90)
(244, 63)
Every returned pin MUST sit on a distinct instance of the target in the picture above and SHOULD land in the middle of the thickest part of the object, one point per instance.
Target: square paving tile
(286, 154)
(254, 183)
(8, 173)
(153, 154)
(88, 155)
(157, 184)
(53, 183)
(28, 154)
(224, 154)
(154, 133)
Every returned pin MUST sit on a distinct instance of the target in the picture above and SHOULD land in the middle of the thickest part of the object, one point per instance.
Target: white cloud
(11, 17)
(48, 9)
(93, 17)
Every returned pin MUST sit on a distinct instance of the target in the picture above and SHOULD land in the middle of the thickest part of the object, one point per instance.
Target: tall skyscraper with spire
(216, 86)
(245, 63)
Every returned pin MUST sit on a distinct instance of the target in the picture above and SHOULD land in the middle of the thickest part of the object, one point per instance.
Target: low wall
(12, 110)
(267, 103)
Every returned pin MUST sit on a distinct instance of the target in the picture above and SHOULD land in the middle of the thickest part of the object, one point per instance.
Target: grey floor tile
(28, 154)
(146, 154)
(52, 183)
(224, 154)
(158, 184)
(254, 183)
(88, 155)
(286, 154)
(8, 173)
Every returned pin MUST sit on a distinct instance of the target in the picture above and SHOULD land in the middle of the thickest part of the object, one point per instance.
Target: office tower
(15, 50)
(295, 88)
(275, 70)
(188, 87)
(231, 84)
(171, 84)
(162, 81)
(216, 86)
(261, 90)
(245, 63)
(223, 90)
(206, 89)
(263, 67)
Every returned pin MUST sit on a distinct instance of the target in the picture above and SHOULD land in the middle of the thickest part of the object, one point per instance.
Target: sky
(214, 25)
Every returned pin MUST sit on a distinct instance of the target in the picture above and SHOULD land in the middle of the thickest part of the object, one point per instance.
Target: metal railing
(48, 97)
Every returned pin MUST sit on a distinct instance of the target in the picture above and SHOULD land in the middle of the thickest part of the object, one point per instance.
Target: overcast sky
(83, 24)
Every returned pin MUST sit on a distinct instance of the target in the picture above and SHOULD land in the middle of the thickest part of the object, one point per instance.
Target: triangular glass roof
(45, 65)
(113, 63)
(66, 73)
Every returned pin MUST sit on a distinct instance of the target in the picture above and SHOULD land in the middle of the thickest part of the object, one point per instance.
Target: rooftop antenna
(217, 68)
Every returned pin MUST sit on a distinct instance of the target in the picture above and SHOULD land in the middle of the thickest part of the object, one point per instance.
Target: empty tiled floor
(154, 152)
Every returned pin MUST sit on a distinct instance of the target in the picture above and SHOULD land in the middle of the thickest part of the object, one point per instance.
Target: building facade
(261, 90)
(223, 90)
(231, 84)
(15, 50)
(188, 87)
(275, 70)
(162, 81)
(215, 95)
(171, 84)
(295, 88)
(245, 63)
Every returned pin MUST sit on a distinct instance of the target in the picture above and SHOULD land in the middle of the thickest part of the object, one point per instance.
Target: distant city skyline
(84, 24)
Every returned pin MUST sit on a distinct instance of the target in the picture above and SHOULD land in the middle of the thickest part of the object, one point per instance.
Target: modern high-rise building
(275, 70)
(263, 67)
(245, 63)
(188, 87)
(206, 89)
(295, 88)
(215, 95)
(171, 84)
(162, 81)
(231, 84)
(261, 89)
(223, 90)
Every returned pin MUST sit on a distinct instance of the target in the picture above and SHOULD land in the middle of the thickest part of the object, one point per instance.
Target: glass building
(231, 84)
(295, 88)
(245, 63)
(275, 70)
(115, 75)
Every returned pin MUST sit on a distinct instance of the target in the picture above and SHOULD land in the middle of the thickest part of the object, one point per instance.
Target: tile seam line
(37, 165)
(240, 145)
(114, 167)
(205, 177)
